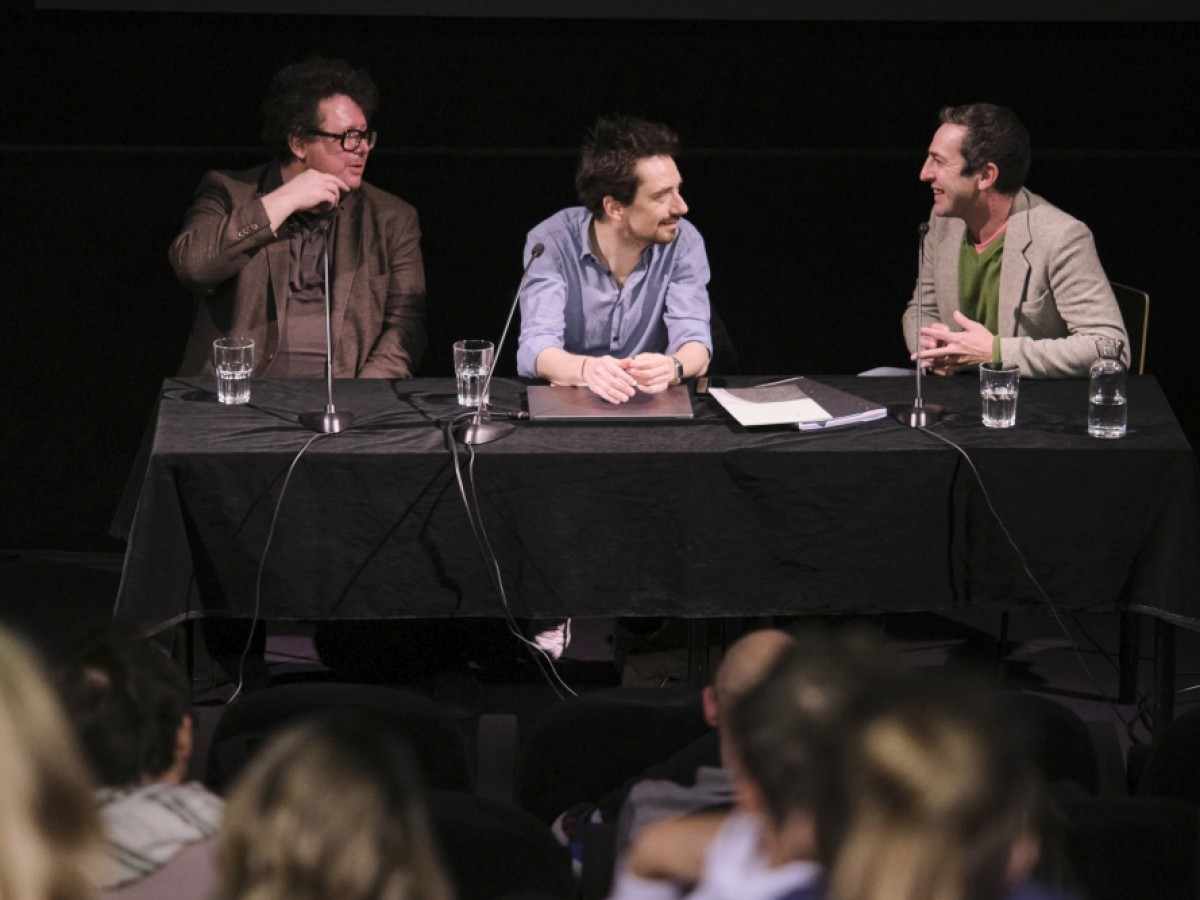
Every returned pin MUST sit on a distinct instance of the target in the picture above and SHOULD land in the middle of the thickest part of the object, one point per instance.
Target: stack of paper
(807, 404)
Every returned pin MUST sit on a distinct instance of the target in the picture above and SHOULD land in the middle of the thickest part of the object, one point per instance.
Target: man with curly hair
(254, 243)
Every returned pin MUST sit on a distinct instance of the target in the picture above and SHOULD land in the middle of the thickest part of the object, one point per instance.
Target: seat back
(1121, 847)
(245, 724)
(494, 850)
(1062, 743)
(1135, 310)
(583, 748)
(1172, 767)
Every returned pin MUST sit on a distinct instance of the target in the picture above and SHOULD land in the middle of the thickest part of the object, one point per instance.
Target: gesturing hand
(947, 351)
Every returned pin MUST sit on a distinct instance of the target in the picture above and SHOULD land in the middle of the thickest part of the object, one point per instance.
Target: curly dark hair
(994, 134)
(608, 160)
(291, 107)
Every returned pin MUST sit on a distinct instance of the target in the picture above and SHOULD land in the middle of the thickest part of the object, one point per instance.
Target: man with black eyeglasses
(252, 251)
(254, 243)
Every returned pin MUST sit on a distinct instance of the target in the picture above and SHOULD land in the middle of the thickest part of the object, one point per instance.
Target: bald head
(745, 662)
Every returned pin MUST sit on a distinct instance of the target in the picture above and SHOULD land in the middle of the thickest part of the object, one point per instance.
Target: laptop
(560, 403)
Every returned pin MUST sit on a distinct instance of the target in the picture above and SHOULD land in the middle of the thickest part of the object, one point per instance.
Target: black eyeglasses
(351, 138)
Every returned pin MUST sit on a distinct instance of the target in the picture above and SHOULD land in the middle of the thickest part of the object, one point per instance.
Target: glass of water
(998, 386)
(233, 359)
(472, 362)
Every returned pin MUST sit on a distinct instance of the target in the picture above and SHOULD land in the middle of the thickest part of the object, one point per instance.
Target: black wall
(802, 146)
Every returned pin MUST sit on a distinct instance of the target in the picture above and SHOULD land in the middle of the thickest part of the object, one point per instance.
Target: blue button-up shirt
(572, 301)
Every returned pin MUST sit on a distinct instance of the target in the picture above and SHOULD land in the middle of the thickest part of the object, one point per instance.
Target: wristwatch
(678, 371)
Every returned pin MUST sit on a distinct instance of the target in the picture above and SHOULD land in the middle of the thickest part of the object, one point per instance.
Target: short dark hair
(291, 108)
(126, 699)
(609, 157)
(994, 134)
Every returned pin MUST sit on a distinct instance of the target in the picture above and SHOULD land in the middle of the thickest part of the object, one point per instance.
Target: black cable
(1128, 723)
(470, 502)
(262, 564)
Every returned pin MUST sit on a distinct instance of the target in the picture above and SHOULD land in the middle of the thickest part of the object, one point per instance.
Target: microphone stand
(480, 429)
(329, 420)
(918, 414)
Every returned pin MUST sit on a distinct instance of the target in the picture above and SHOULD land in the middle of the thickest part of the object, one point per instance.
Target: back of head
(126, 699)
(931, 797)
(48, 825)
(994, 134)
(609, 157)
(780, 727)
(291, 106)
(745, 662)
(329, 809)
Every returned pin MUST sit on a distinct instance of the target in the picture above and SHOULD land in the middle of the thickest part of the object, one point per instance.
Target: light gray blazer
(1055, 299)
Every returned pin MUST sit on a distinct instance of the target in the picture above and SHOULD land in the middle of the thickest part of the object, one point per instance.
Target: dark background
(803, 139)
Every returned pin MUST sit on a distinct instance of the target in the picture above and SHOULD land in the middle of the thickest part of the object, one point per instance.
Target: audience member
(770, 735)
(329, 810)
(693, 778)
(130, 706)
(931, 794)
(689, 781)
(49, 832)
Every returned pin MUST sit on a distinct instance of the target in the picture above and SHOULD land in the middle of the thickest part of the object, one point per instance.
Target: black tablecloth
(697, 518)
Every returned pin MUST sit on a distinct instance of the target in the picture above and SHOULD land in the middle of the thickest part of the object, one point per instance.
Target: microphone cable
(470, 501)
(262, 564)
(1050, 604)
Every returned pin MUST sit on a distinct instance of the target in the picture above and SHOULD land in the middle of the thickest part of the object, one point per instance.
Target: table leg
(1164, 676)
(1128, 653)
(698, 673)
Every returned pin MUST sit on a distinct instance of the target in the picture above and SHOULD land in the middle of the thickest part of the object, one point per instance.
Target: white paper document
(779, 404)
(807, 404)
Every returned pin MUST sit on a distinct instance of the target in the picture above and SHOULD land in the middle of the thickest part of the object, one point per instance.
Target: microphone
(918, 415)
(480, 429)
(329, 421)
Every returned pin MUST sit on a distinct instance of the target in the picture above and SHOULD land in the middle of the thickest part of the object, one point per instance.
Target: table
(697, 519)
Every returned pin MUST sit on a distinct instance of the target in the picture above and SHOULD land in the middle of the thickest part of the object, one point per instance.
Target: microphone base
(327, 421)
(916, 416)
(476, 432)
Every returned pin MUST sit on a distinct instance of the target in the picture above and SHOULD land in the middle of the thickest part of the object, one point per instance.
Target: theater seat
(493, 850)
(1126, 847)
(584, 747)
(435, 738)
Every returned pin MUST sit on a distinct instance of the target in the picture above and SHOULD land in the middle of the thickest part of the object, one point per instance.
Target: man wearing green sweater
(1005, 275)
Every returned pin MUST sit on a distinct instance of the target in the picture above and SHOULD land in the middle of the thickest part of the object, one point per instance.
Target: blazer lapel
(947, 270)
(347, 249)
(1014, 267)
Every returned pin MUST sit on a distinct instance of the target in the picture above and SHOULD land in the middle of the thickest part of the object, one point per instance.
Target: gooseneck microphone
(918, 414)
(480, 429)
(329, 420)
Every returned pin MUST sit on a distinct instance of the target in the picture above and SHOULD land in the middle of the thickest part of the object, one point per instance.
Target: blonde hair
(329, 810)
(49, 828)
(936, 793)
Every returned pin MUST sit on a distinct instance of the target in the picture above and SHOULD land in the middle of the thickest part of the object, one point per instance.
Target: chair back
(1135, 310)
(245, 724)
(583, 748)
(1121, 847)
(494, 850)
(1171, 768)
(1062, 744)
